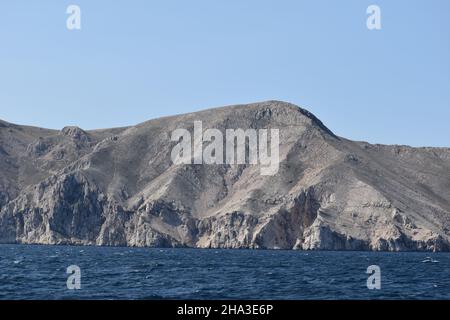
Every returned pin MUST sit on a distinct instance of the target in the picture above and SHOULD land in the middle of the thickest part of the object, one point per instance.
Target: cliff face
(120, 187)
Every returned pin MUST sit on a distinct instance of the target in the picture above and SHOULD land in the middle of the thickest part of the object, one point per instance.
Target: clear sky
(136, 60)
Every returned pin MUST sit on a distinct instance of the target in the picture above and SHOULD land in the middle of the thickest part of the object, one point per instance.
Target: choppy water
(39, 272)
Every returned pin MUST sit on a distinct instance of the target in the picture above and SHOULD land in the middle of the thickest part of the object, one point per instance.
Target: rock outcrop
(119, 187)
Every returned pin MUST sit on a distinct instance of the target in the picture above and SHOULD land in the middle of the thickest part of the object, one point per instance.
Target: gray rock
(119, 187)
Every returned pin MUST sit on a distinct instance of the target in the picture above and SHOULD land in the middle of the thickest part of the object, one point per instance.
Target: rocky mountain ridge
(119, 187)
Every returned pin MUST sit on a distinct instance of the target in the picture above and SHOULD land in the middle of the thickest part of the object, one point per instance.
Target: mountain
(119, 187)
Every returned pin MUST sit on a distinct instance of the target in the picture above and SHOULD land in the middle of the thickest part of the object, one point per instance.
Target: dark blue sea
(39, 272)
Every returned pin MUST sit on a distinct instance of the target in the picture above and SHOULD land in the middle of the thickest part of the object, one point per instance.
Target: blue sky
(137, 60)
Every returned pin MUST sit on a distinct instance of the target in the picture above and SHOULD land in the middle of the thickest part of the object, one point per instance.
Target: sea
(88, 272)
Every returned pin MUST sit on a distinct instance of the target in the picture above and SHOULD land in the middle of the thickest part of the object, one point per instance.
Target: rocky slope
(120, 187)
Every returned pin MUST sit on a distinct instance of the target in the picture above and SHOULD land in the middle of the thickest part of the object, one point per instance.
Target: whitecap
(430, 259)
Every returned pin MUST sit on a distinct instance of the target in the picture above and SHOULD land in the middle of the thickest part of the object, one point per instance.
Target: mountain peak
(290, 110)
(263, 112)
